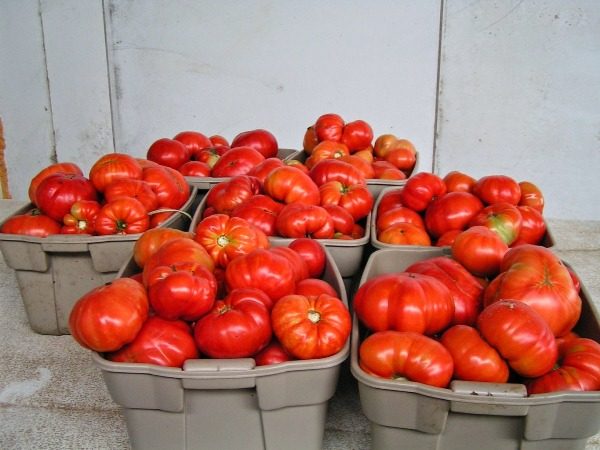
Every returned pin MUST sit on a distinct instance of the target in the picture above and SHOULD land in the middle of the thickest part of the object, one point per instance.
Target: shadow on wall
(4, 192)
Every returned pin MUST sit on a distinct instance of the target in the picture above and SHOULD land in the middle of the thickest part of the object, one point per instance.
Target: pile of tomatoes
(206, 295)
(120, 195)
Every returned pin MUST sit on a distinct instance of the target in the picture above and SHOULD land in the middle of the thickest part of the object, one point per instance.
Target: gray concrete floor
(52, 396)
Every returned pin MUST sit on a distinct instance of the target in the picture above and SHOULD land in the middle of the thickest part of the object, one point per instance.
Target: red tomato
(479, 250)
(298, 220)
(66, 167)
(354, 198)
(458, 182)
(533, 227)
(310, 140)
(296, 164)
(195, 169)
(162, 342)
(404, 233)
(209, 155)
(313, 254)
(262, 141)
(237, 161)
(388, 142)
(151, 240)
(447, 239)
(226, 238)
(357, 135)
(452, 211)
(531, 195)
(168, 152)
(363, 166)
(129, 187)
(124, 215)
(290, 185)
(404, 302)
(261, 170)
(343, 222)
(502, 218)
(274, 353)
(326, 150)
(81, 219)
(520, 335)
(113, 166)
(226, 196)
(402, 158)
(57, 192)
(465, 289)
(329, 127)
(296, 261)
(32, 223)
(311, 327)
(217, 139)
(336, 170)
(389, 199)
(393, 354)
(578, 369)
(474, 359)
(261, 211)
(396, 215)
(193, 141)
(311, 287)
(170, 187)
(421, 189)
(497, 188)
(238, 326)
(109, 316)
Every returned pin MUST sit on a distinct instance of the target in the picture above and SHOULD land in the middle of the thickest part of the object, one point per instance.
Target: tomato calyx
(314, 316)
(223, 241)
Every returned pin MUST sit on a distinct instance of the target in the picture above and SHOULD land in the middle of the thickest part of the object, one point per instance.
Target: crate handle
(219, 365)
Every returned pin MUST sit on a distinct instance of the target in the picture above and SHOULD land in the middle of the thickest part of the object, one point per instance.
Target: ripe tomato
(113, 166)
(274, 353)
(479, 250)
(354, 198)
(394, 354)
(520, 335)
(66, 167)
(162, 342)
(329, 127)
(474, 359)
(336, 170)
(238, 326)
(404, 302)
(261, 211)
(403, 159)
(388, 142)
(396, 215)
(226, 196)
(458, 181)
(261, 170)
(447, 239)
(497, 188)
(288, 184)
(170, 186)
(326, 150)
(311, 327)
(194, 169)
(531, 195)
(311, 287)
(81, 219)
(298, 220)
(109, 316)
(404, 233)
(533, 226)
(57, 192)
(262, 141)
(237, 161)
(125, 215)
(129, 187)
(313, 254)
(168, 152)
(451, 211)
(502, 218)
(363, 166)
(296, 261)
(193, 141)
(389, 199)
(343, 222)
(209, 155)
(357, 135)
(32, 223)
(310, 140)
(384, 170)
(421, 189)
(151, 240)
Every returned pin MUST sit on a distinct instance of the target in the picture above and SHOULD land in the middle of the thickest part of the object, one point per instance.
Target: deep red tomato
(124, 215)
(404, 302)
(458, 181)
(226, 196)
(162, 342)
(357, 135)
(66, 167)
(311, 287)
(404, 233)
(113, 166)
(465, 289)
(447, 239)
(480, 250)
(451, 211)
(313, 254)
(57, 192)
(389, 199)
(32, 223)
(264, 168)
(396, 215)
(226, 238)
(193, 141)
(129, 187)
(384, 170)
(363, 166)
(261, 211)
(474, 359)
(290, 185)
(535, 275)
(150, 241)
(237, 161)
(296, 164)
(531, 195)
(311, 327)
(274, 353)
(298, 220)
(336, 170)
(170, 187)
(343, 222)
(329, 127)
(217, 139)
(577, 369)
(497, 188)
(296, 261)
(421, 189)
(81, 219)
(502, 218)
(194, 169)
(403, 159)
(310, 140)
(262, 141)
(354, 198)
(394, 354)
(520, 335)
(238, 326)
(326, 150)
(168, 152)
(109, 316)
(209, 155)
(388, 142)
(533, 226)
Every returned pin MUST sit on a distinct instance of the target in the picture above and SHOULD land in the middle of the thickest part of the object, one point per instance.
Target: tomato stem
(314, 316)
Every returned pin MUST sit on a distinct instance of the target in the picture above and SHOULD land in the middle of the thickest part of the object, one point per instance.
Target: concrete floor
(52, 396)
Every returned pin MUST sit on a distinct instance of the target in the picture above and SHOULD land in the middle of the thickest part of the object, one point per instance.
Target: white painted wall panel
(520, 95)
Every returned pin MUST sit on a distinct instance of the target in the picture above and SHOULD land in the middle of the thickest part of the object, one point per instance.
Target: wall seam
(53, 150)
(111, 98)
(434, 159)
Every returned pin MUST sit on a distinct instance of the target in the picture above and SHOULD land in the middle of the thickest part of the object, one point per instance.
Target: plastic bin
(410, 415)
(205, 183)
(227, 404)
(54, 272)
(547, 241)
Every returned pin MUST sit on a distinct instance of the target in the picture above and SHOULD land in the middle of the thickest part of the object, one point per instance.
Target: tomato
(402, 158)
(465, 289)
(81, 219)
(357, 135)
(533, 227)
(261, 211)
(389, 199)
(404, 233)
(209, 155)
(262, 141)
(297, 165)
(182, 291)
(421, 189)
(363, 166)
(32, 223)
(336, 170)
(237, 161)
(313, 254)
(447, 239)
(326, 150)
(195, 169)
(388, 142)
(310, 140)
(217, 140)
(343, 222)
(298, 220)
(113, 166)
(311, 287)
(497, 188)
(261, 170)
(193, 141)
(226, 238)
(57, 192)
(150, 241)
(531, 195)
(384, 170)
(329, 127)
(129, 187)
(479, 250)
(170, 187)
(474, 359)
(161, 342)
(168, 152)
(109, 316)
(262, 269)
(502, 218)
(534, 275)
(274, 353)
(458, 181)
(404, 302)
(290, 185)
(520, 335)
(226, 196)
(578, 369)
(395, 354)
(355, 198)
(452, 211)
(238, 326)
(311, 327)
(296, 261)
(124, 215)
(66, 167)
(396, 215)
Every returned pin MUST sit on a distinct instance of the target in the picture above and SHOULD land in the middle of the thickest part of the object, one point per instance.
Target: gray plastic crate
(227, 403)
(547, 240)
(406, 414)
(54, 272)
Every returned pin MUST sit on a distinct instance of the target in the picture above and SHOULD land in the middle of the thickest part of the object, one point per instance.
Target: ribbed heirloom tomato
(313, 254)
(421, 189)
(81, 219)
(260, 140)
(261, 211)
(151, 240)
(113, 166)
(57, 192)
(125, 215)
(228, 195)
(290, 185)
(298, 220)
(237, 161)
(32, 223)
(65, 167)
